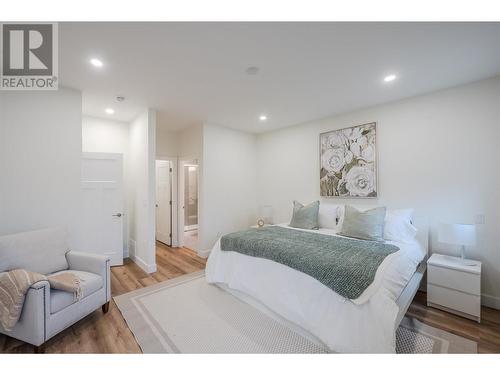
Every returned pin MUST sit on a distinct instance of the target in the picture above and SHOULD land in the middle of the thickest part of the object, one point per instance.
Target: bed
(364, 325)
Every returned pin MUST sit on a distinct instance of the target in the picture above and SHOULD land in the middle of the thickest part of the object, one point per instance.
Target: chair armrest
(38, 297)
(32, 324)
(39, 285)
(93, 263)
(87, 262)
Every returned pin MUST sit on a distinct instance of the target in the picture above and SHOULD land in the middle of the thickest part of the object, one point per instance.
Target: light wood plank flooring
(108, 333)
(486, 333)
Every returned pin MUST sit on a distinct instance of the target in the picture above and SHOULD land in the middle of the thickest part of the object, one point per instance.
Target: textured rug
(187, 315)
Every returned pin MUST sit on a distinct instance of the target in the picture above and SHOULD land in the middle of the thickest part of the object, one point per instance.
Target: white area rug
(187, 315)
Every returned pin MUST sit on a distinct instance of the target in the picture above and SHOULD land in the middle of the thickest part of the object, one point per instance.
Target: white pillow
(328, 216)
(404, 213)
(341, 214)
(398, 226)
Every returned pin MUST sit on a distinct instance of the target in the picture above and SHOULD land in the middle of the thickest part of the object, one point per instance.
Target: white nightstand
(453, 286)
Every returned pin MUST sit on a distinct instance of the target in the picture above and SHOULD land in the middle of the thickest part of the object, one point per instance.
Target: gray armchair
(46, 311)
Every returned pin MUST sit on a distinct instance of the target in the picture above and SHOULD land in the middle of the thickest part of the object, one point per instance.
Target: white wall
(182, 143)
(438, 153)
(105, 135)
(166, 143)
(190, 142)
(141, 190)
(40, 160)
(228, 198)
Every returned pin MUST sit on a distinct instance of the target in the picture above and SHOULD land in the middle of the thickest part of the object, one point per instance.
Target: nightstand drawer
(454, 279)
(466, 303)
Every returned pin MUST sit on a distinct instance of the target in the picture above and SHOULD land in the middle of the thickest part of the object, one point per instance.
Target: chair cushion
(42, 251)
(60, 299)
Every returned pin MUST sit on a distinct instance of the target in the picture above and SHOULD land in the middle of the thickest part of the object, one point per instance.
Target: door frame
(158, 164)
(174, 194)
(180, 216)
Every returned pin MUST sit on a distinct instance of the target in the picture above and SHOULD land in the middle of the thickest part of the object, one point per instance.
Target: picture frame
(349, 162)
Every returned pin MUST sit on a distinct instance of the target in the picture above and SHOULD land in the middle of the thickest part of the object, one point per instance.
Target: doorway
(189, 191)
(164, 201)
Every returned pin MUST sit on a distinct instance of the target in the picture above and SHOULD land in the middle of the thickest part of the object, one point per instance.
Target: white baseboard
(131, 247)
(203, 253)
(490, 301)
(149, 268)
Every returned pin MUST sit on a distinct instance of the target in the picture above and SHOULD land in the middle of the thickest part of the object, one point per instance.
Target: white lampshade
(457, 234)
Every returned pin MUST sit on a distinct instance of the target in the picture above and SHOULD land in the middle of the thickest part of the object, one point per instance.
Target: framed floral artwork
(349, 162)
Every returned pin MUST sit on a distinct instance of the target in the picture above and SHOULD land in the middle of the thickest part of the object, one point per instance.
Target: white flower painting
(349, 162)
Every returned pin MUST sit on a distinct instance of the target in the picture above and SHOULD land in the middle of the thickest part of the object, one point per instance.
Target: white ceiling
(195, 72)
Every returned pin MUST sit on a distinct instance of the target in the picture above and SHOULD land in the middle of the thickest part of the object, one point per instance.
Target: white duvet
(364, 325)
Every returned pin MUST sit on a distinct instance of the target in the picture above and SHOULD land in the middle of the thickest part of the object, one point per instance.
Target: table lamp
(458, 234)
(266, 215)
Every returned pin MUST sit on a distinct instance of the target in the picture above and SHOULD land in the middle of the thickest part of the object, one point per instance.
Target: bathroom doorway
(189, 191)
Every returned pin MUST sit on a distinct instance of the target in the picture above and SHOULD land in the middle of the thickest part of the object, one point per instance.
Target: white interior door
(163, 202)
(102, 218)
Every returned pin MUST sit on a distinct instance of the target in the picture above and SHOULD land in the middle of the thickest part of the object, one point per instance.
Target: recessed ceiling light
(110, 111)
(96, 62)
(262, 117)
(252, 70)
(390, 78)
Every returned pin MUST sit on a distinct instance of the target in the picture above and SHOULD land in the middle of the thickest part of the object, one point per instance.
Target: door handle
(117, 215)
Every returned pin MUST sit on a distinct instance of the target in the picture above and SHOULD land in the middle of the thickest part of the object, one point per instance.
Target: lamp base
(463, 261)
(467, 262)
(460, 261)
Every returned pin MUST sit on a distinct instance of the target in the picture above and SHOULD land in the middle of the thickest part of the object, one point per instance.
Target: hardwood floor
(108, 333)
(486, 333)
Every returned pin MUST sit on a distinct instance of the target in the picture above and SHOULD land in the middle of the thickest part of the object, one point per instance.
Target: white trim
(131, 247)
(151, 210)
(203, 253)
(165, 157)
(175, 199)
(190, 227)
(149, 268)
(180, 196)
(490, 301)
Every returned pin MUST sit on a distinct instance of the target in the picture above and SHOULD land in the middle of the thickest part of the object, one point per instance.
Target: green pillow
(305, 217)
(366, 225)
